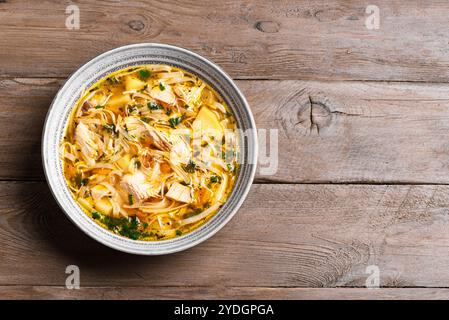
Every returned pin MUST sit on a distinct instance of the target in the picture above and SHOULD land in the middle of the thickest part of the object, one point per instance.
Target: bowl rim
(253, 156)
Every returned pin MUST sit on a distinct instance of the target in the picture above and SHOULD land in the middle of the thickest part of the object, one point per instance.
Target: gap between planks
(274, 182)
(318, 79)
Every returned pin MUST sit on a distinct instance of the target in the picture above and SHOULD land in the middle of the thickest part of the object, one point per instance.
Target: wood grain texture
(234, 293)
(284, 236)
(337, 132)
(250, 39)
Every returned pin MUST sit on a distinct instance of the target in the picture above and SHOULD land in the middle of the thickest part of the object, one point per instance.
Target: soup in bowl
(149, 148)
(150, 152)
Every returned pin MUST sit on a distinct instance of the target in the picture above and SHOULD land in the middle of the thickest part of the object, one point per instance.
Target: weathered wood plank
(208, 293)
(352, 131)
(250, 39)
(355, 131)
(284, 236)
(23, 106)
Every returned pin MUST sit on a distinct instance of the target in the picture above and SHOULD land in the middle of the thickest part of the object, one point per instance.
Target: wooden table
(363, 123)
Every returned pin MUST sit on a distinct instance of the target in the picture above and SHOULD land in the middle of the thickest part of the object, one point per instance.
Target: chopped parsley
(130, 199)
(161, 86)
(144, 74)
(99, 107)
(127, 227)
(215, 179)
(113, 80)
(109, 127)
(132, 109)
(178, 232)
(154, 106)
(96, 215)
(190, 167)
(168, 112)
(175, 121)
(84, 181)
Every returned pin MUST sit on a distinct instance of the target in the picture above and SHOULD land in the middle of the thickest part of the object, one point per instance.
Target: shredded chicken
(138, 129)
(136, 185)
(180, 151)
(86, 140)
(180, 193)
(166, 95)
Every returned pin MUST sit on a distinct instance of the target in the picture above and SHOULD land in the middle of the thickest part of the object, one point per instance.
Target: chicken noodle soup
(150, 152)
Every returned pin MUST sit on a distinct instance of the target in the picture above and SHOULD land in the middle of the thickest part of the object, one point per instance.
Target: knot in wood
(267, 26)
(305, 113)
(136, 25)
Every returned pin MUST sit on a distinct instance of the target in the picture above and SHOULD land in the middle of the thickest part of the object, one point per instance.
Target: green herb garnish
(178, 232)
(154, 106)
(96, 215)
(215, 179)
(113, 80)
(138, 164)
(109, 127)
(127, 227)
(99, 107)
(190, 167)
(132, 109)
(145, 74)
(175, 121)
(161, 86)
(130, 199)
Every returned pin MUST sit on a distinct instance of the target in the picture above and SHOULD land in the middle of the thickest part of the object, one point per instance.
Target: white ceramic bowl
(139, 54)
